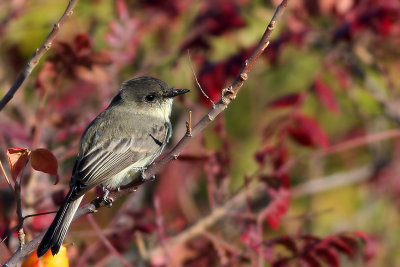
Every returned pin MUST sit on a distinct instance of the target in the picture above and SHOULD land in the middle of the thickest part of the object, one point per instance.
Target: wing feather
(99, 161)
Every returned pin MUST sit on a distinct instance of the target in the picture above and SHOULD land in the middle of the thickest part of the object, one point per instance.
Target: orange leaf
(48, 260)
(43, 160)
(17, 158)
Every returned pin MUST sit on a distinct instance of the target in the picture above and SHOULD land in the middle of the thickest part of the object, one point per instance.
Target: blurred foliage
(327, 82)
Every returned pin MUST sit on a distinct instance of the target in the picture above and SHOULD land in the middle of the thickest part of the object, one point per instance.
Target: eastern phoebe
(123, 139)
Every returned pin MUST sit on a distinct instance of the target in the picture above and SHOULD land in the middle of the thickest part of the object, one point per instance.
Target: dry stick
(21, 234)
(33, 61)
(228, 94)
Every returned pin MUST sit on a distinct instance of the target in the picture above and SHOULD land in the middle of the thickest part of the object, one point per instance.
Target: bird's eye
(150, 98)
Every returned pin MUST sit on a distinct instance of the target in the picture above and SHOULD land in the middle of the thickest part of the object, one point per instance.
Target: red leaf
(341, 76)
(289, 100)
(344, 245)
(310, 239)
(250, 238)
(277, 207)
(307, 132)
(310, 260)
(43, 160)
(212, 78)
(17, 158)
(216, 18)
(82, 43)
(261, 156)
(288, 242)
(282, 262)
(327, 255)
(325, 95)
(361, 235)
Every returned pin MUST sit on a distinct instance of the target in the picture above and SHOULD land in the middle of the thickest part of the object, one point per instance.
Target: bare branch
(21, 234)
(228, 94)
(34, 60)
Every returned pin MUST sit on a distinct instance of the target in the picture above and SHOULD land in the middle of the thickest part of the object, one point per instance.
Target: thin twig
(38, 214)
(197, 81)
(21, 234)
(34, 60)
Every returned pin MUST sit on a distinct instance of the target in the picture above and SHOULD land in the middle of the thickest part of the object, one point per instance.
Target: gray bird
(123, 139)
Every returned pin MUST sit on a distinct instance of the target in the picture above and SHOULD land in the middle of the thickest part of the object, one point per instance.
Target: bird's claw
(107, 200)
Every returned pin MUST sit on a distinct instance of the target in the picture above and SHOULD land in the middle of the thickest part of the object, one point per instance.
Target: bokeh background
(303, 164)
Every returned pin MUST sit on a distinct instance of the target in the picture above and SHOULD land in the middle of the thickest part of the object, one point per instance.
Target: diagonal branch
(34, 60)
(228, 94)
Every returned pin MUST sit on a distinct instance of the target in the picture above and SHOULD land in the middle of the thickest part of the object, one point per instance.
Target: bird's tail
(55, 234)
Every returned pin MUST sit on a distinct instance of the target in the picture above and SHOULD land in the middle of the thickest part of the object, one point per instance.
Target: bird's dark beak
(175, 92)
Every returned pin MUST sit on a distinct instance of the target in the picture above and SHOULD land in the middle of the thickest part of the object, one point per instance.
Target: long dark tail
(55, 235)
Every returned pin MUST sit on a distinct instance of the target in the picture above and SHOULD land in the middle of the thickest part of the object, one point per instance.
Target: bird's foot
(107, 200)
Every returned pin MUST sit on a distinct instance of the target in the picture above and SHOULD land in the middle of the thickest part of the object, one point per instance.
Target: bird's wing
(104, 160)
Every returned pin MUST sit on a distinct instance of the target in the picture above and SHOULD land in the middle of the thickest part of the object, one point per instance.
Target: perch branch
(34, 60)
(228, 94)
